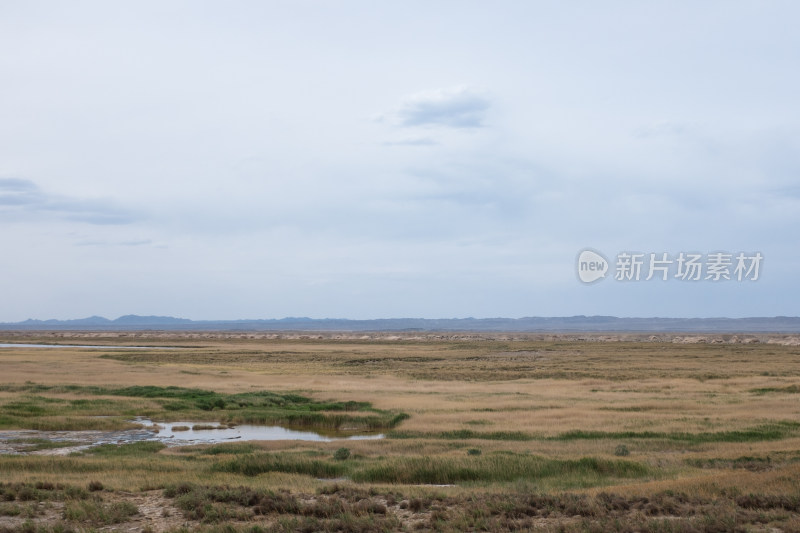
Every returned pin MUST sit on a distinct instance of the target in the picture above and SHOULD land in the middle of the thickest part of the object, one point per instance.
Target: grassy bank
(413, 470)
(66, 407)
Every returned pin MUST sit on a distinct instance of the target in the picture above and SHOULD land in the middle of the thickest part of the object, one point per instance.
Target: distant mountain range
(778, 324)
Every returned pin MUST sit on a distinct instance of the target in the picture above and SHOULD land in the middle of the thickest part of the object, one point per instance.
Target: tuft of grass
(341, 454)
(10, 509)
(621, 451)
(100, 513)
(127, 450)
(479, 422)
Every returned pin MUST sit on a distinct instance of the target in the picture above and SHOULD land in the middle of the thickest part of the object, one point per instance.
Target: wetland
(554, 433)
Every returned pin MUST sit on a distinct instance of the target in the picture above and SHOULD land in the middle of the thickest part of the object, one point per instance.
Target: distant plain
(484, 432)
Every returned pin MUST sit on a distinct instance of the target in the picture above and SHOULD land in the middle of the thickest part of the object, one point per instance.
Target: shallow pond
(26, 441)
(199, 433)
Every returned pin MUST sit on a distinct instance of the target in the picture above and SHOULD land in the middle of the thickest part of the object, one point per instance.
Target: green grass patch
(66, 423)
(230, 449)
(32, 410)
(35, 445)
(10, 509)
(472, 468)
(587, 471)
(49, 464)
(463, 434)
(36, 411)
(745, 462)
(486, 435)
(126, 450)
(766, 432)
(99, 513)
(790, 389)
(627, 409)
(41, 491)
(253, 465)
(205, 427)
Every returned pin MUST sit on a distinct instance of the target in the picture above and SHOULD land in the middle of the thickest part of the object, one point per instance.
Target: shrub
(621, 451)
(100, 513)
(341, 454)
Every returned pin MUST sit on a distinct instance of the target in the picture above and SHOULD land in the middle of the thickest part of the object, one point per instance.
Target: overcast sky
(259, 159)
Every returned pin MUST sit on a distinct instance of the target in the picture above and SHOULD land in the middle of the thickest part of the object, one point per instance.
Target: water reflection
(24, 441)
(182, 433)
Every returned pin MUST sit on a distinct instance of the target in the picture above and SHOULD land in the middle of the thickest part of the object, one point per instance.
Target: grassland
(483, 433)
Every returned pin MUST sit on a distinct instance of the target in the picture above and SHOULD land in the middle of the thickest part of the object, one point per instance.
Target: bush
(100, 513)
(621, 451)
(341, 454)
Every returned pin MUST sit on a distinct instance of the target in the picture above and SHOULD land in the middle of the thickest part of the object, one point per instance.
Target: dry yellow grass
(542, 388)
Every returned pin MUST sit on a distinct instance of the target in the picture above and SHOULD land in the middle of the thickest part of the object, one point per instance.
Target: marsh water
(171, 433)
(197, 433)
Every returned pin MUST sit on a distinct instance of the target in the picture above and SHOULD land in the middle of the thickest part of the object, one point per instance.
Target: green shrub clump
(341, 454)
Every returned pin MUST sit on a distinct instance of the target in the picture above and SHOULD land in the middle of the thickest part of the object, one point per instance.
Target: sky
(361, 159)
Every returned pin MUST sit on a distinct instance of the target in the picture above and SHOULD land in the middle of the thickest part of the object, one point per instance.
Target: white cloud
(23, 199)
(454, 107)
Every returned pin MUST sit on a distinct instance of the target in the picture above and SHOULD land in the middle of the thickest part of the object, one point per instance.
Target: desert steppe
(482, 431)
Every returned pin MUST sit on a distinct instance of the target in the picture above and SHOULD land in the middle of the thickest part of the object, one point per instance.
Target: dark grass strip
(766, 432)
(463, 434)
(790, 389)
(253, 465)
(260, 407)
(496, 468)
